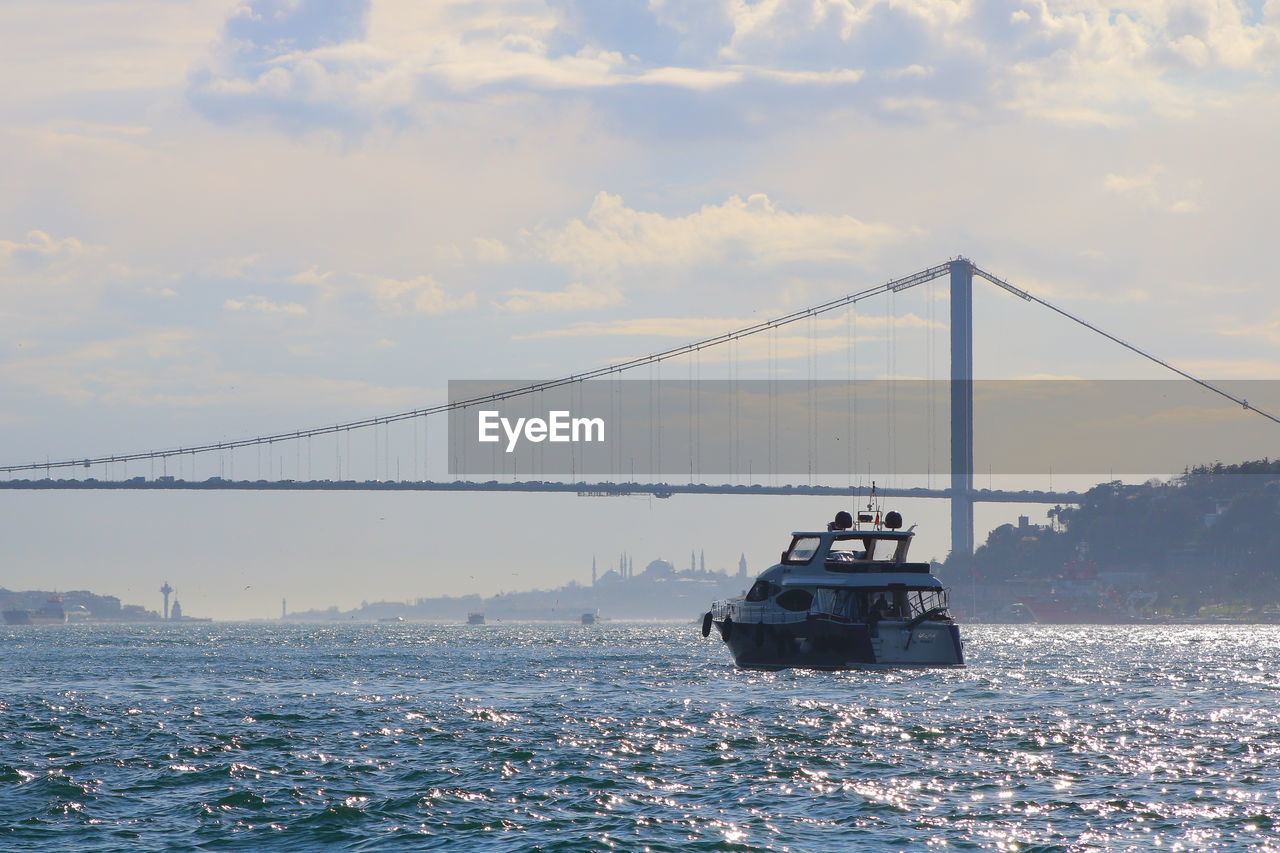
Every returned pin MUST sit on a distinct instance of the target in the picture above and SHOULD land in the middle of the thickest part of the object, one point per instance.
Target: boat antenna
(871, 515)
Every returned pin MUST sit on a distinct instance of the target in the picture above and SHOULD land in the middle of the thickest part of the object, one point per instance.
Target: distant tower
(742, 566)
(631, 567)
(283, 610)
(704, 559)
(593, 569)
(176, 613)
(693, 562)
(166, 591)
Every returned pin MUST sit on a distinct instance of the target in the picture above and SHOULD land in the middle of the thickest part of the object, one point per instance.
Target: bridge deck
(661, 490)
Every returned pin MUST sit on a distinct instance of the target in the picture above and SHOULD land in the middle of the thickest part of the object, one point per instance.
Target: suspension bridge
(961, 492)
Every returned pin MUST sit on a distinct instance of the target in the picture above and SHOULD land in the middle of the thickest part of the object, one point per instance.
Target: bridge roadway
(658, 490)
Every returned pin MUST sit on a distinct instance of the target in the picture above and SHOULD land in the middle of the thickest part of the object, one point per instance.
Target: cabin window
(847, 550)
(886, 549)
(802, 550)
(881, 603)
(924, 600)
(900, 603)
(795, 599)
(761, 591)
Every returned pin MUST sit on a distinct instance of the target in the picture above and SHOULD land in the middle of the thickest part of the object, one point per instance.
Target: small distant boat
(391, 619)
(589, 618)
(1017, 612)
(475, 618)
(52, 613)
(843, 598)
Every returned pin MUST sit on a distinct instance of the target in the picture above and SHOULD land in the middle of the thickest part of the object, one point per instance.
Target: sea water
(630, 737)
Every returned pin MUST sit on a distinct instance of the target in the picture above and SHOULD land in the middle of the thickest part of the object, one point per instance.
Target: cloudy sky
(223, 218)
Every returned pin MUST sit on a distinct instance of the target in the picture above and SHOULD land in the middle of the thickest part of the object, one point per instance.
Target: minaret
(704, 559)
(283, 610)
(166, 591)
(693, 562)
(593, 569)
(742, 566)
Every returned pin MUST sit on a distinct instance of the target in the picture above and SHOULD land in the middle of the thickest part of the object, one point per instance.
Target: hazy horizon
(224, 218)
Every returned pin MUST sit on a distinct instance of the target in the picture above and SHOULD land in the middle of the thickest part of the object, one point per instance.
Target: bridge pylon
(961, 407)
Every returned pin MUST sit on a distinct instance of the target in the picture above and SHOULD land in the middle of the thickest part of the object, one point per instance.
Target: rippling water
(631, 737)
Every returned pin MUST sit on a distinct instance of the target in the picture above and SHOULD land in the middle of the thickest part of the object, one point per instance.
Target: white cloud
(575, 297)
(489, 250)
(913, 70)
(1268, 331)
(1151, 186)
(95, 369)
(1233, 368)
(310, 276)
(172, 369)
(613, 237)
(39, 251)
(262, 305)
(420, 295)
(236, 267)
(1144, 182)
(52, 280)
(68, 49)
(696, 328)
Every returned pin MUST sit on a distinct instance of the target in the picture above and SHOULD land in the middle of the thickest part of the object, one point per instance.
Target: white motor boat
(842, 598)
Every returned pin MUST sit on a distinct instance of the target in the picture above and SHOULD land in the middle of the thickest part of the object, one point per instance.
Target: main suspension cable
(999, 282)
(651, 359)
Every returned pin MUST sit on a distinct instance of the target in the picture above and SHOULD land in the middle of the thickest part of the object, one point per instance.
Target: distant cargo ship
(52, 613)
(475, 618)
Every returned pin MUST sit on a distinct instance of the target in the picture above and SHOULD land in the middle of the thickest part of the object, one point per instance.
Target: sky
(219, 219)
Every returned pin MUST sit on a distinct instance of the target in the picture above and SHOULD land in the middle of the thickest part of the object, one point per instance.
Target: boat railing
(747, 612)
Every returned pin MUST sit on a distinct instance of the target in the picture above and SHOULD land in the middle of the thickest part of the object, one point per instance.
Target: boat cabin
(853, 551)
(851, 574)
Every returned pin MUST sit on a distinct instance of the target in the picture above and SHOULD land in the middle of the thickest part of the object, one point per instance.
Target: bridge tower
(961, 407)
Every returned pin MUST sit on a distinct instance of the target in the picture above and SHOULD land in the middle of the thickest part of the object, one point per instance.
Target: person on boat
(875, 613)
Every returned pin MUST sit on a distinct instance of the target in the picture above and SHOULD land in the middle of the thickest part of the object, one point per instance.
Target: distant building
(659, 569)
(175, 613)
(137, 613)
(659, 591)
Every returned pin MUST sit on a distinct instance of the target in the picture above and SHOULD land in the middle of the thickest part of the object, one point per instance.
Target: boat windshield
(863, 548)
(802, 550)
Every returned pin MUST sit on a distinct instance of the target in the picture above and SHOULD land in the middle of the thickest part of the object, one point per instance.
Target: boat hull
(833, 645)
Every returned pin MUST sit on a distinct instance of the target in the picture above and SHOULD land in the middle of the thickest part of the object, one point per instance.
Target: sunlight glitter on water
(631, 736)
